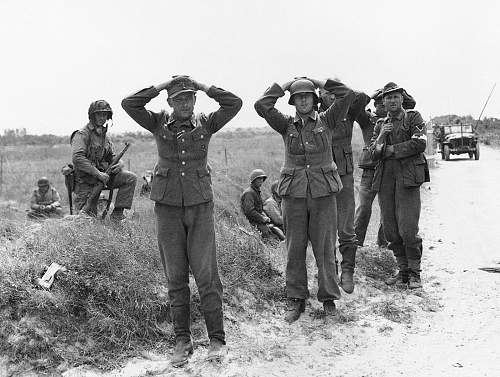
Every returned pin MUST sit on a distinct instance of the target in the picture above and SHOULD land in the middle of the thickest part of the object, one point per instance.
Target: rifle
(96, 190)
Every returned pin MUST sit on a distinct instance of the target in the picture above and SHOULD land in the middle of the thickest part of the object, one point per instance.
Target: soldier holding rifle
(93, 154)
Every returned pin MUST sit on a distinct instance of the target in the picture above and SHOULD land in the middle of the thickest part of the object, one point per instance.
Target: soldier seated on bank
(272, 206)
(253, 207)
(45, 201)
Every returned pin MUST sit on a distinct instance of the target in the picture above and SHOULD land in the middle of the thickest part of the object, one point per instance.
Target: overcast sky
(58, 56)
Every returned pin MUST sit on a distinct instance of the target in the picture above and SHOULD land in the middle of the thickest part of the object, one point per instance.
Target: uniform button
(182, 174)
(307, 142)
(164, 137)
(183, 162)
(183, 151)
(182, 140)
(201, 137)
(308, 166)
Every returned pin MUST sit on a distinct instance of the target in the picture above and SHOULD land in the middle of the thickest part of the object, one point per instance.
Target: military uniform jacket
(50, 197)
(91, 153)
(181, 176)
(409, 140)
(252, 205)
(308, 147)
(342, 135)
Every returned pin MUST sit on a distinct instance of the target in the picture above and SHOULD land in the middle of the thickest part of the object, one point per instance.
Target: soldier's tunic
(398, 179)
(308, 184)
(182, 191)
(51, 197)
(365, 194)
(342, 155)
(93, 153)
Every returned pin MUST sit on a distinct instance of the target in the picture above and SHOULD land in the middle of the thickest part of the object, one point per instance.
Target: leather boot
(117, 215)
(329, 308)
(400, 278)
(182, 351)
(347, 281)
(216, 350)
(414, 281)
(295, 307)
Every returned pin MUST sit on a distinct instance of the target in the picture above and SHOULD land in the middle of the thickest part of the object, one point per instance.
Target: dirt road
(455, 326)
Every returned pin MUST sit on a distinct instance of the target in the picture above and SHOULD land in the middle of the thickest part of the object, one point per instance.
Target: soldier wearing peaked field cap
(182, 192)
(308, 184)
(397, 145)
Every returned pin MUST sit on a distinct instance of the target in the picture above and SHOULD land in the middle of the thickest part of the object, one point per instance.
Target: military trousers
(363, 212)
(345, 223)
(186, 239)
(124, 181)
(308, 219)
(400, 211)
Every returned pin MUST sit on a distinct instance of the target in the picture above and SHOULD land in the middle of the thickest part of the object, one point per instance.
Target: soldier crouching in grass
(92, 152)
(308, 184)
(184, 202)
(45, 201)
(398, 144)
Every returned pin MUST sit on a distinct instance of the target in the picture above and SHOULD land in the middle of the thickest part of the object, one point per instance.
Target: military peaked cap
(179, 85)
(391, 88)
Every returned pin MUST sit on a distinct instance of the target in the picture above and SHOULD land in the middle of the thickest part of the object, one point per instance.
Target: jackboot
(414, 281)
(182, 351)
(295, 307)
(400, 278)
(216, 350)
(329, 308)
(347, 281)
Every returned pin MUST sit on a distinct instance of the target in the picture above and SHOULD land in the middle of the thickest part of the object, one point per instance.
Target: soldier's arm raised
(134, 106)
(230, 104)
(344, 97)
(265, 107)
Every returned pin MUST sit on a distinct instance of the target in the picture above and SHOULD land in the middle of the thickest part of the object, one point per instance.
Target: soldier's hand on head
(376, 93)
(103, 177)
(200, 86)
(286, 86)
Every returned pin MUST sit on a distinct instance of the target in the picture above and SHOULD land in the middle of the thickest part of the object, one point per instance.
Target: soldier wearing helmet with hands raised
(182, 192)
(308, 184)
(92, 153)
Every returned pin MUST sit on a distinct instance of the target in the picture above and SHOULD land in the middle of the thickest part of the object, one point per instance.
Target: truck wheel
(476, 153)
(446, 151)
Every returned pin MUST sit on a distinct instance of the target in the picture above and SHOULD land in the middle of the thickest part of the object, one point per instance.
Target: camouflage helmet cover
(100, 106)
(257, 173)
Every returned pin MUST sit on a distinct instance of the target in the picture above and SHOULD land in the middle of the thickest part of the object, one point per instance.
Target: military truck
(457, 139)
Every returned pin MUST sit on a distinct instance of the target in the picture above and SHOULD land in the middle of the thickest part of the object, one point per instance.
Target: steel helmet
(100, 106)
(302, 86)
(43, 182)
(257, 173)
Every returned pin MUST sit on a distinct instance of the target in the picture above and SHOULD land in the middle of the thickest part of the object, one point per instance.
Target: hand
(266, 219)
(200, 86)
(376, 93)
(286, 86)
(117, 168)
(103, 177)
(386, 129)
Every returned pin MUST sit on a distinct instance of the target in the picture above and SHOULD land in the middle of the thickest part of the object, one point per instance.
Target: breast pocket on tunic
(318, 139)
(294, 144)
(200, 139)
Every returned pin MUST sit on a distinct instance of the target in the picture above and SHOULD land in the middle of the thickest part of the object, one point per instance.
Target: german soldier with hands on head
(182, 192)
(308, 184)
(398, 143)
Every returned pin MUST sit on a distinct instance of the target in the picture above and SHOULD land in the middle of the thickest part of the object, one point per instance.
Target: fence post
(225, 158)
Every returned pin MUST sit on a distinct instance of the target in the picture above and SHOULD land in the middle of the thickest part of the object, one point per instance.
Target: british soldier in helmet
(92, 154)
